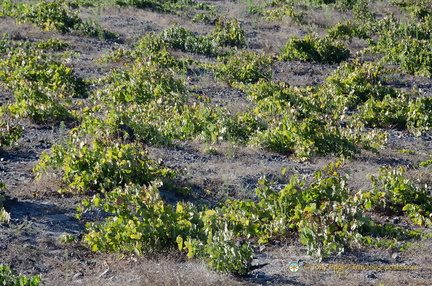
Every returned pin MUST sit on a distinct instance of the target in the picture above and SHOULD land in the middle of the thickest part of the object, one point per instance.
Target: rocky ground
(40, 217)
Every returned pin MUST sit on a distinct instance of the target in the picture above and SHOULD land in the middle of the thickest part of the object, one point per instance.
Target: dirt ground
(40, 217)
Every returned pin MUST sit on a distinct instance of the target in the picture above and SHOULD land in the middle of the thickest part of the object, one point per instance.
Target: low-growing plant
(170, 6)
(43, 86)
(324, 212)
(347, 30)
(209, 124)
(355, 83)
(53, 16)
(403, 111)
(421, 9)
(315, 49)
(401, 195)
(53, 44)
(228, 33)
(180, 38)
(9, 277)
(426, 163)
(406, 151)
(280, 8)
(143, 223)
(144, 82)
(420, 115)
(157, 5)
(222, 254)
(244, 67)
(9, 134)
(413, 56)
(153, 49)
(307, 122)
(209, 16)
(405, 44)
(100, 165)
(4, 215)
(387, 113)
(151, 99)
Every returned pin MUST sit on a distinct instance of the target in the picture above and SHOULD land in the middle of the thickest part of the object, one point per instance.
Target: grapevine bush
(101, 165)
(53, 16)
(43, 86)
(244, 67)
(9, 134)
(312, 48)
(326, 215)
(9, 277)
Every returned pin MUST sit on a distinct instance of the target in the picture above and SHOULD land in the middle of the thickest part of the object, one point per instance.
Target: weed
(8, 276)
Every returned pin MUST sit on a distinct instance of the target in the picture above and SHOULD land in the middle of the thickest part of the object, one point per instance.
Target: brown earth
(40, 217)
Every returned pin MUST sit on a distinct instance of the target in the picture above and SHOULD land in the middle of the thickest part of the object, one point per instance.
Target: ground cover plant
(43, 86)
(56, 15)
(215, 132)
(9, 277)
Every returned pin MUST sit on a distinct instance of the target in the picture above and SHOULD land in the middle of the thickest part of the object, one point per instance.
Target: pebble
(104, 273)
(77, 276)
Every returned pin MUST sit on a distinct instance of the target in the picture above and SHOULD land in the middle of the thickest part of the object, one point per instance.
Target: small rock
(104, 273)
(77, 276)
(239, 243)
(371, 275)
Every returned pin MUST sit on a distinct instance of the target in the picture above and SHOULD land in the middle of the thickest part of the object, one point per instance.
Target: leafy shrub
(144, 82)
(420, 9)
(46, 15)
(162, 5)
(42, 86)
(426, 163)
(149, 98)
(4, 215)
(209, 16)
(209, 124)
(307, 122)
(312, 48)
(399, 194)
(324, 213)
(153, 4)
(228, 33)
(304, 139)
(388, 113)
(413, 56)
(9, 134)
(279, 9)
(245, 67)
(405, 44)
(180, 38)
(223, 255)
(143, 223)
(9, 277)
(420, 115)
(328, 217)
(52, 16)
(346, 30)
(152, 50)
(355, 83)
(100, 165)
(403, 112)
(53, 44)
